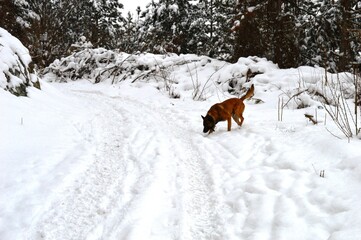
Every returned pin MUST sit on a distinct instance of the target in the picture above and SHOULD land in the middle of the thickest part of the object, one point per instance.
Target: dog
(231, 108)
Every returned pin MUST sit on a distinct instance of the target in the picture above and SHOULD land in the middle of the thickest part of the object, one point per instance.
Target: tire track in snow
(132, 173)
(268, 194)
(255, 190)
(199, 219)
(96, 191)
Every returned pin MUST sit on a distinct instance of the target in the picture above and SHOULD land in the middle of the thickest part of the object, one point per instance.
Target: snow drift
(164, 71)
(201, 77)
(16, 71)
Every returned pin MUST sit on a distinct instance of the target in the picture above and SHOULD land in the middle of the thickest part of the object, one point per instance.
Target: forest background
(290, 33)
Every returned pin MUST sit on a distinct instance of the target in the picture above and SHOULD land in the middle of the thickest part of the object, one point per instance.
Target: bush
(16, 69)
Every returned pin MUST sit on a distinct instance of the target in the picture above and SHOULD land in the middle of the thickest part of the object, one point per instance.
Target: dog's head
(208, 124)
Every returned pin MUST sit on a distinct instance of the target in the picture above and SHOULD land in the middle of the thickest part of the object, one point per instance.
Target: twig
(332, 133)
(310, 117)
(293, 96)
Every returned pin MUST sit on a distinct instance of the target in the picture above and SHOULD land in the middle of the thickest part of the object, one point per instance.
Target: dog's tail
(249, 93)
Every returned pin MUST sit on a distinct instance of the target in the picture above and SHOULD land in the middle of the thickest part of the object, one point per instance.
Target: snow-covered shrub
(98, 65)
(85, 64)
(242, 71)
(335, 93)
(16, 70)
(200, 76)
(81, 44)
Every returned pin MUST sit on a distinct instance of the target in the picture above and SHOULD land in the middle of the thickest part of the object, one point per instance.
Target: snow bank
(200, 77)
(16, 72)
(43, 146)
(204, 76)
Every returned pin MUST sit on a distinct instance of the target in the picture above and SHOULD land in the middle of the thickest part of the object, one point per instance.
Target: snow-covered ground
(125, 161)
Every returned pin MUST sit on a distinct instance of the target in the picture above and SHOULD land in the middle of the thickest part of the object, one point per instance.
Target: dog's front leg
(229, 120)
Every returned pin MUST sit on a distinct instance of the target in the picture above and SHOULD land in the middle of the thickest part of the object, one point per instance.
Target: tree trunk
(345, 47)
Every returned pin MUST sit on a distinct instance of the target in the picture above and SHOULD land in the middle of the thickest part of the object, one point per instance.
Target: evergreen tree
(165, 25)
(51, 27)
(284, 41)
(249, 40)
(102, 18)
(346, 54)
(325, 34)
(288, 32)
(16, 17)
(265, 28)
(211, 28)
(223, 39)
(126, 36)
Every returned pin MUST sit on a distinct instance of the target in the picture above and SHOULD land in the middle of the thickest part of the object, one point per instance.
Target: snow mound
(16, 71)
(200, 75)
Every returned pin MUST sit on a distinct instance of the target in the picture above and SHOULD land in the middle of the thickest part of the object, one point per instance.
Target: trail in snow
(155, 176)
(266, 178)
(270, 187)
(138, 167)
(146, 181)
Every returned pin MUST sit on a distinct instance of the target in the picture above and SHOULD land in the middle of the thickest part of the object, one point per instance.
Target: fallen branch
(310, 117)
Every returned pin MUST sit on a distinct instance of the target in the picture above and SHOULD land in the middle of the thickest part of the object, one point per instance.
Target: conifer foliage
(49, 28)
(165, 26)
(288, 32)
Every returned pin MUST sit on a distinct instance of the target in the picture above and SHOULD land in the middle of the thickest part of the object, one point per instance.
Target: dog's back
(230, 108)
(230, 105)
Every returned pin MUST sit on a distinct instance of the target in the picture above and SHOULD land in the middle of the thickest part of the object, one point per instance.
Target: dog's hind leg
(242, 119)
(238, 114)
(236, 119)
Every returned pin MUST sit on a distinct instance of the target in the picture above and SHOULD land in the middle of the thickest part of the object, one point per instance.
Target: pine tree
(104, 17)
(126, 35)
(223, 38)
(211, 28)
(346, 54)
(266, 28)
(16, 17)
(53, 26)
(327, 40)
(165, 25)
(284, 41)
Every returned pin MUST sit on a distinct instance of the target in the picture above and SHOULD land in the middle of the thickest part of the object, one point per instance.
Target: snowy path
(152, 175)
(272, 189)
(143, 181)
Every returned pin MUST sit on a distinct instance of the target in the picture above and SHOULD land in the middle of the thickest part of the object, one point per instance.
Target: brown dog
(231, 108)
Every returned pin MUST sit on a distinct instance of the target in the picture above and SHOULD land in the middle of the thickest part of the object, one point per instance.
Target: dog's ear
(202, 117)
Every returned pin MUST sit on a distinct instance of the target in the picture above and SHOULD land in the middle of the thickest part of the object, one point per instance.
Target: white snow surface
(125, 161)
